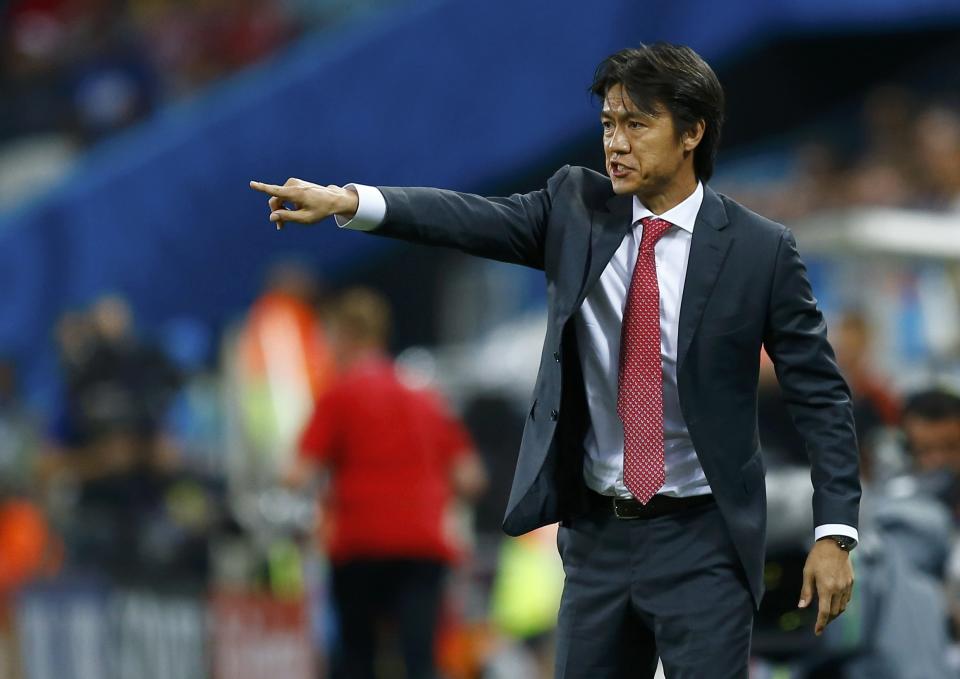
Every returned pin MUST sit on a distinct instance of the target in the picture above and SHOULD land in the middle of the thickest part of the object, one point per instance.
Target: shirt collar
(684, 214)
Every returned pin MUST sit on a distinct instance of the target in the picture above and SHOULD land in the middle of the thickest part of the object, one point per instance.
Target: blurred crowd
(91, 67)
(904, 151)
(88, 68)
(144, 475)
(170, 465)
(117, 502)
(73, 72)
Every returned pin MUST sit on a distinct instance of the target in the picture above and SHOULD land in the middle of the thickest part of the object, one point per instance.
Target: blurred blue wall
(456, 93)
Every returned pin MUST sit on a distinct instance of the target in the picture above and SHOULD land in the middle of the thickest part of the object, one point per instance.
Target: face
(852, 345)
(113, 318)
(644, 154)
(935, 444)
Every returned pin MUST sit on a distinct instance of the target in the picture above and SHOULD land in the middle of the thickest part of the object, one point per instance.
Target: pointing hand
(306, 203)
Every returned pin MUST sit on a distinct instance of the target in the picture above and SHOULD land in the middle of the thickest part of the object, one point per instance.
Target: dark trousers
(670, 586)
(398, 595)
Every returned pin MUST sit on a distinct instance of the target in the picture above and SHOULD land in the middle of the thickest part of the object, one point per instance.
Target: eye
(636, 124)
(607, 125)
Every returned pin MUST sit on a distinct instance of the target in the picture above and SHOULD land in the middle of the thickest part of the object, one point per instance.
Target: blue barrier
(92, 630)
(63, 631)
(453, 93)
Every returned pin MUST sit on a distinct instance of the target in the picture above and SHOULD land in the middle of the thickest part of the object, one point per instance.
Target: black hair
(676, 78)
(932, 404)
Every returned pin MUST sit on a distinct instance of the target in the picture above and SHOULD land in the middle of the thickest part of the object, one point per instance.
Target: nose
(617, 142)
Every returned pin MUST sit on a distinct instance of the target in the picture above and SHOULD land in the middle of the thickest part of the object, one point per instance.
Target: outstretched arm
(510, 229)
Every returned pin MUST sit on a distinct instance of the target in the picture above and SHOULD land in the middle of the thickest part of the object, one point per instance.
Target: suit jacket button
(554, 415)
(556, 356)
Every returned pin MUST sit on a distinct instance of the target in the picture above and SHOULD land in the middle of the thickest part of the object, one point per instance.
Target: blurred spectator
(106, 464)
(874, 404)
(194, 44)
(937, 137)
(33, 34)
(116, 392)
(854, 349)
(133, 514)
(931, 429)
(118, 378)
(75, 339)
(779, 439)
(816, 187)
(111, 84)
(75, 336)
(194, 423)
(887, 113)
(73, 72)
(24, 544)
(282, 363)
(899, 627)
(880, 175)
(82, 69)
(87, 68)
(908, 156)
(137, 518)
(398, 459)
(18, 434)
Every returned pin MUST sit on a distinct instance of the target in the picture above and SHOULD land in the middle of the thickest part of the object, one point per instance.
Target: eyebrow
(610, 113)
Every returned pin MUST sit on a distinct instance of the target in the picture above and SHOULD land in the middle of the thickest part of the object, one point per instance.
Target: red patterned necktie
(640, 396)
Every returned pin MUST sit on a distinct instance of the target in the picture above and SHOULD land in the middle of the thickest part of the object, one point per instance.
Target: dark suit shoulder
(593, 188)
(745, 217)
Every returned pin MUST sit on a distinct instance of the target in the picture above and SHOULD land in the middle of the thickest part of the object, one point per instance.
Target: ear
(691, 138)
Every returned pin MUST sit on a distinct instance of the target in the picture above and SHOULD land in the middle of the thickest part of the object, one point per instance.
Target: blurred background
(162, 347)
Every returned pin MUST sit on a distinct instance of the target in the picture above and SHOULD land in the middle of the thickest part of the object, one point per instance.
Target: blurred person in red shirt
(398, 461)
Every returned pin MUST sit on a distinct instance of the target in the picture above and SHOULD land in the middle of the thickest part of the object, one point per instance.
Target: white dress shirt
(598, 323)
(598, 338)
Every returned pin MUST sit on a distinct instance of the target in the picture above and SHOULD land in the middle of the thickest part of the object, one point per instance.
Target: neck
(358, 354)
(668, 197)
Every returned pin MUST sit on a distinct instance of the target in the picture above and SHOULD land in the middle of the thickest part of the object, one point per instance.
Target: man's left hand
(828, 572)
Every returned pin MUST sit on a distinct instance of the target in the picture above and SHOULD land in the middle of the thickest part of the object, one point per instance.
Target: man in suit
(642, 434)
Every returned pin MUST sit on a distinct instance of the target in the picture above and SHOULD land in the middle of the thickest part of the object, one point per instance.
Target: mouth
(618, 170)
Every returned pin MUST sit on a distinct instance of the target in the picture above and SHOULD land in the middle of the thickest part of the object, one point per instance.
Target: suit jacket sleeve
(816, 395)
(510, 229)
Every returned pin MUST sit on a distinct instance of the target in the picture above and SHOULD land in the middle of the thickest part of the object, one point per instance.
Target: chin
(621, 187)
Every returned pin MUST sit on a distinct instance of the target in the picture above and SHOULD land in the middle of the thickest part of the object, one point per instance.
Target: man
(931, 433)
(397, 459)
(931, 429)
(641, 438)
(875, 405)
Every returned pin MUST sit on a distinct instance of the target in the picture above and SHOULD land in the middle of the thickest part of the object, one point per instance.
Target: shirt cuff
(835, 529)
(371, 209)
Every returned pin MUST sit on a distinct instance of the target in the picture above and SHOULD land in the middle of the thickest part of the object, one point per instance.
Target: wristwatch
(844, 542)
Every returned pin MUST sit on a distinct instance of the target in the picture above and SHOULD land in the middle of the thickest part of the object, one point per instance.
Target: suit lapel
(708, 249)
(607, 230)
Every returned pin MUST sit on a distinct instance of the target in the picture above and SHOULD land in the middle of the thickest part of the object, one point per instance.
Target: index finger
(273, 189)
(823, 613)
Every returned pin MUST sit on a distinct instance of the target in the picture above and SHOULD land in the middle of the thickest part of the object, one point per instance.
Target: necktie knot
(653, 230)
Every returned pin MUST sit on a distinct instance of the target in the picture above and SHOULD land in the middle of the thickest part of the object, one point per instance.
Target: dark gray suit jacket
(745, 287)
